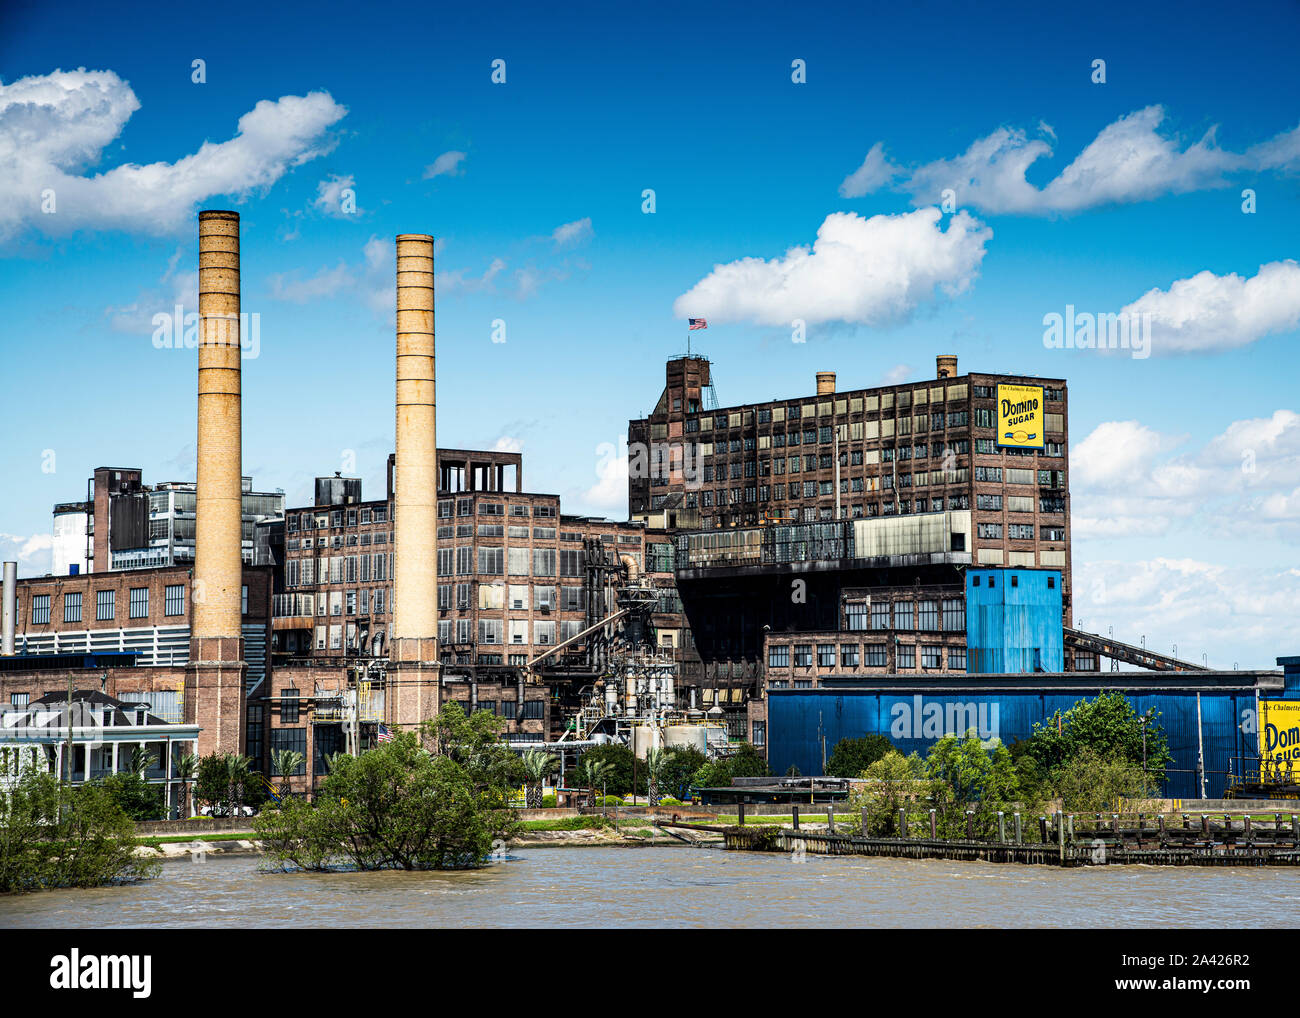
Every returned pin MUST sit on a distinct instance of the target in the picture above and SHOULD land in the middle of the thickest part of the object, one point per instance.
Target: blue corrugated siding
(1014, 628)
(797, 719)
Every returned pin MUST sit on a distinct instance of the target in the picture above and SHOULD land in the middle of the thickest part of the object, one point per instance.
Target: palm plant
(538, 766)
(654, 764)
(139, 760)
(592, 773)
(285, 762)
(236, 776)
(186, 766)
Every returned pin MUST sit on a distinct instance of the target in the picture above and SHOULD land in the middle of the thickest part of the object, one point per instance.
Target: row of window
(514, 632)
(929, 616)
(465, 507)
(851, 655)
(106, 604)
(337, 518)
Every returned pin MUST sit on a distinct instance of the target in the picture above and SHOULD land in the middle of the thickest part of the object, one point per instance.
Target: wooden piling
(1020, 834)
(1002, 828)
(830, 819)
(794, 816)
(934, 825)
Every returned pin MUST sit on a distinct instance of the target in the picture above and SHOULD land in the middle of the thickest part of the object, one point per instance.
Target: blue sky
(540, 225)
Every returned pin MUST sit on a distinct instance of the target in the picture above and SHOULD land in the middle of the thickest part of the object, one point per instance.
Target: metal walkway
(1128, 653)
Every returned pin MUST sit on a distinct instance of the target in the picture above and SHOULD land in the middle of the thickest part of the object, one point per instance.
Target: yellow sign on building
(1020, 416)
(1279, 734)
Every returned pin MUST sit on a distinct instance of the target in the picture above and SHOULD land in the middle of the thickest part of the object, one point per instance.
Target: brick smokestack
(214, 682)
(415, 528)
(945, 365)
(825, 383)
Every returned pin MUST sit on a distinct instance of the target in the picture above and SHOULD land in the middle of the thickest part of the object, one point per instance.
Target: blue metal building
(1013, 621)
(1209, 717)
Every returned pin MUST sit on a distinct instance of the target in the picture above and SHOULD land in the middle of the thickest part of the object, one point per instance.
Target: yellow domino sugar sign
(1020, 416)
(1279, 734)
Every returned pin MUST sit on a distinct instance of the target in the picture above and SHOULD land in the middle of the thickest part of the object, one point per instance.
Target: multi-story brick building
(130, 632)
(126, 524)
(910, 448)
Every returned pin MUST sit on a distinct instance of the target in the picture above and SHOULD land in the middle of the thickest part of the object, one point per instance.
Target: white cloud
(867, 271)
(875, 172)
(1206, 312)
(572, 234)
(326, 283)
(1130, 480)
(33, 554)
(1130, 160)
(329, 195)
(54, 127)
(508, 443)
(1235, 614)
(174, 288)
(458, 281)
(897, 374)
(446, 165)
(608, 495)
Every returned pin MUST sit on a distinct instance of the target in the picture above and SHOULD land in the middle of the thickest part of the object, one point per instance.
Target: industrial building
(126, 524)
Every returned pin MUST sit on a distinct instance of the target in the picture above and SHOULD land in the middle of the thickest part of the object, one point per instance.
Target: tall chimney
(946, 365)
(9, 608)
(217, 562)
(214, 680)
(415, 528)
(825, 383)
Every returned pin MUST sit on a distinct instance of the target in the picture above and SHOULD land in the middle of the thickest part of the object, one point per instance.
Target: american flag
(384, 734)
(697, 323)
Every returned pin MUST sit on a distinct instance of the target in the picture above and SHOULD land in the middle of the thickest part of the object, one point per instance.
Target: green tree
(185, 768)
(747, 762)
(399, 806)
(678, 770)
(621, 761)
(592, 775)
(285, 763)
(138, 799)
(473, 742)
(851, 757)
(714, 774)
(965, 776)
(1108, 725)
(654, 763)
(1091, 783)
(538, 766)
(893, 782)
(52, 836)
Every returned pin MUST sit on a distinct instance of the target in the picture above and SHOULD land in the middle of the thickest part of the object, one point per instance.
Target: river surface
(677, 886)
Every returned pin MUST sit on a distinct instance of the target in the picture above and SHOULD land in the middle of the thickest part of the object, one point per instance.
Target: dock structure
(1065, 841)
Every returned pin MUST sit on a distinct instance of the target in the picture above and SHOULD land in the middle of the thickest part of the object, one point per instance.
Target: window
(929, 616)
(534, 710)
(904, 615)
(40, 609)
(1020, 531)
(543, 560)
(105, 605)
(989, 531)
(778, 656)
(906, 656)
(856, 614)
(174, 599)
(544, 633)
(139, 606)
(931, 657)
(293, 740)
(989, 503)
(849, 655)
(803, 655)
(954, 614)
(759, 733)
(72, 607)
(957, 659)
(289, 706)
(491, 560)
(880, 615)
(489, 631)
(825, 655)
(876, 656)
